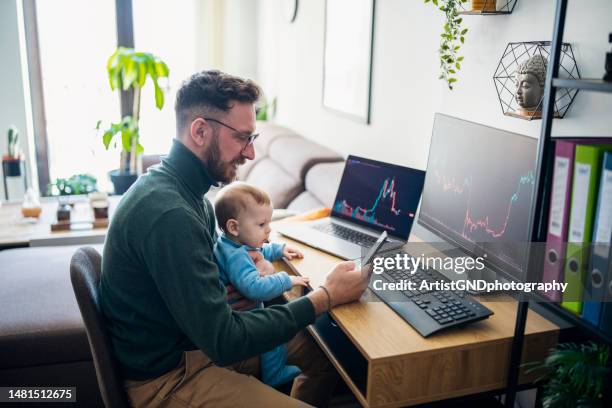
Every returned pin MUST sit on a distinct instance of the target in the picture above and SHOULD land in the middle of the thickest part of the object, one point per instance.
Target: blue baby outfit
(237, 268)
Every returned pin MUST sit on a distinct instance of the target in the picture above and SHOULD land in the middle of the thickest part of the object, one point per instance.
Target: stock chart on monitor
(379, 195)
(479, 188)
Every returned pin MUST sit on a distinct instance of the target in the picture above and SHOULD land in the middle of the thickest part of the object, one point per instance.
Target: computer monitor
(478, 192)
(379, 195)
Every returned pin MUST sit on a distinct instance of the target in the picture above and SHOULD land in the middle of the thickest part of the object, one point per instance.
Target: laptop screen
(379, 195)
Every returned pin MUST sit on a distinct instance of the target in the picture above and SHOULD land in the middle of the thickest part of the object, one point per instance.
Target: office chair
(85, 271)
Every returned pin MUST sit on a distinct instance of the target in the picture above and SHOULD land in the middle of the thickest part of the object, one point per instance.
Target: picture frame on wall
(347, 64)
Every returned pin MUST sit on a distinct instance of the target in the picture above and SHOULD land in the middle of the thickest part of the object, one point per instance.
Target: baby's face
(254, 225)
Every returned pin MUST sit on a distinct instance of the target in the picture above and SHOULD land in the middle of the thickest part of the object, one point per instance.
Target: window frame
(125, 37)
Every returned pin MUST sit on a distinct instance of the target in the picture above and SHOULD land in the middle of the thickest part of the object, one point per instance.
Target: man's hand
(344, 284)
(264, 267)
(240, 303)
(299, 281)
(292, 253)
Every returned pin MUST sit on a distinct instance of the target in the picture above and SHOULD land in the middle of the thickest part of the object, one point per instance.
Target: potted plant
(452, 38)
(11, 162)
(128, 70)
(574, 375)
(76, 184)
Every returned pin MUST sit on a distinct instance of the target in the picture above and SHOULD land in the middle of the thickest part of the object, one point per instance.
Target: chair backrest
(85, 272)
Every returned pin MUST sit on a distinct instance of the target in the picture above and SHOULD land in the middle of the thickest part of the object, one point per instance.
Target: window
(75, 39)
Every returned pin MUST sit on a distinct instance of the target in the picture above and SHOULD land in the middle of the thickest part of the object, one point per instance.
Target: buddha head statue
(530, 77)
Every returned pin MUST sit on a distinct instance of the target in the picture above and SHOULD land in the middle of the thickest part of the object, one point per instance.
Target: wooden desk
(16, 231)
(386, 363)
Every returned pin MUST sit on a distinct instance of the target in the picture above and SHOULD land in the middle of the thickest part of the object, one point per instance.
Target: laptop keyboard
(347, 234)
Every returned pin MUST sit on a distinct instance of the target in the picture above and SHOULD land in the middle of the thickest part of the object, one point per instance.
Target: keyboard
(429, 312)
(347, 234)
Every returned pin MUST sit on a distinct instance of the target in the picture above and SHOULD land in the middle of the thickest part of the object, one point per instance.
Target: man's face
(226, 149)
(528, 91)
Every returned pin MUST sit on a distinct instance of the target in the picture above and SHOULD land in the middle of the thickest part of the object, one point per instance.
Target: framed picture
(347, 66)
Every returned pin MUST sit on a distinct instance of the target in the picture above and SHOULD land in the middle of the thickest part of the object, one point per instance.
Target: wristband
(329, 302)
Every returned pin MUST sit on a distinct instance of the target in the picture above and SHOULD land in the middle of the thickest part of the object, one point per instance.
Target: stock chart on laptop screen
(379, 195)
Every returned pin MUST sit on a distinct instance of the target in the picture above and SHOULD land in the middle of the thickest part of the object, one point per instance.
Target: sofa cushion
(40, 322)
(281, 186)
(268, 133)
(297, 155)
(322, 181)
(305, 202)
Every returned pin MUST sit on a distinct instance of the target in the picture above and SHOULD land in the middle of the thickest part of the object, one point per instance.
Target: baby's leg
(274, 368)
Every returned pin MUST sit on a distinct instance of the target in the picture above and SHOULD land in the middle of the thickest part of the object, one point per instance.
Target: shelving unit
(544, 170)
(498, 6)
(595, 85)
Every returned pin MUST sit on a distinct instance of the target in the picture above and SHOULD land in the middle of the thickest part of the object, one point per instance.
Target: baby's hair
(231, 200)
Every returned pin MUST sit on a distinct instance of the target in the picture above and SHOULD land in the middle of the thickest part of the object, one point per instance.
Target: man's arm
(245, 277)
(178, 254)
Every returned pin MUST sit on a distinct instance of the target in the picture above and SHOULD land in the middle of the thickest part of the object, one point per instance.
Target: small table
(17, 231)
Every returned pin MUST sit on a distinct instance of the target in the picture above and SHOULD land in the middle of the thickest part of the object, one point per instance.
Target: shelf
(483, 13)
(576, 320)
(597, 85)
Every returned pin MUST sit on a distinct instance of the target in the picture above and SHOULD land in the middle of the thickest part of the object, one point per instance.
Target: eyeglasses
(248, 139)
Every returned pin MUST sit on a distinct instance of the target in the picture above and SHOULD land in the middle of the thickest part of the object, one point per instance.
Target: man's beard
(224, 172)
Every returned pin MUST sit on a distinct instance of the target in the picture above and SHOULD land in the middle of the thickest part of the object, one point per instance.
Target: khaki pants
(197, 382)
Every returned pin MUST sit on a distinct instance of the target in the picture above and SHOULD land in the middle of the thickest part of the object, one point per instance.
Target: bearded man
(176, 340)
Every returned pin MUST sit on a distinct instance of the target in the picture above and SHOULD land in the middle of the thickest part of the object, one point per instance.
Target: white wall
(12, 98)
(406, 91)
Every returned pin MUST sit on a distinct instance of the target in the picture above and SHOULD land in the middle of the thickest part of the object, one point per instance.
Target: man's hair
(211, 92)
(232, 199)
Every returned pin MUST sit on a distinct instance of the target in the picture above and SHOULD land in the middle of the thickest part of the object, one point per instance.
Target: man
(169, 322)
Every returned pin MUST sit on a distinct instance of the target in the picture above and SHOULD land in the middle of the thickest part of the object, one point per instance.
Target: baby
(244, 213)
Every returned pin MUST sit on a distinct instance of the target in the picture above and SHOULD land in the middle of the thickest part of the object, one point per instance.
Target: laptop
(372, 197)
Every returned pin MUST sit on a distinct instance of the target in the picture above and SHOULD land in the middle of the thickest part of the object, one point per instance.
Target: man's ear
(198, 131)
(232, 227)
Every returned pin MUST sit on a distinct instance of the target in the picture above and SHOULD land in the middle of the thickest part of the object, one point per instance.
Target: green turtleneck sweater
(160, 291)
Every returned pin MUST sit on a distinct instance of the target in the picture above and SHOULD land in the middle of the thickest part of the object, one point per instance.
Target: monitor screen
(379, 195)
(478, 191)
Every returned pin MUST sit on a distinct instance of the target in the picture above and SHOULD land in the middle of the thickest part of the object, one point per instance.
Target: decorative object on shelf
(30, 207)
(77, 184)
(485, 7)
(453, 35)
(99, 204)
(63, 212)
(291, 9)
(80, 215)
(13, 164)
(530, 79)
(129, 69)
(574, 375)
(608, 76)
(519, 79)
(347, 67)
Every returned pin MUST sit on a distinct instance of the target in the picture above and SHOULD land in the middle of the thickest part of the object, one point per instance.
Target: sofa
(42, 336)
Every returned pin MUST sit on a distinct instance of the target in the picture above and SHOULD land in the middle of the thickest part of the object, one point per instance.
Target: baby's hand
(299, 281)
(292, 253)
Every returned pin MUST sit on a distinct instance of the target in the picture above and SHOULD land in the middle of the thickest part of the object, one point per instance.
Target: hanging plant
(452, 39)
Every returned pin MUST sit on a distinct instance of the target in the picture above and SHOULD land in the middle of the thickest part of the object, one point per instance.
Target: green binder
(587, 166)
